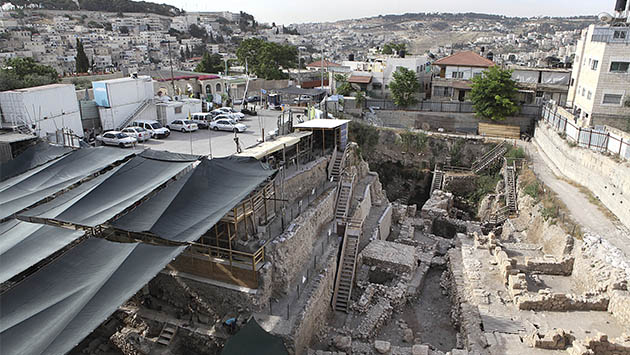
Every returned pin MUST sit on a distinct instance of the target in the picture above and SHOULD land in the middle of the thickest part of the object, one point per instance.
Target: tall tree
(210, 63)
(266, 59)
(493, 94)
(81, 60)
(404, 87)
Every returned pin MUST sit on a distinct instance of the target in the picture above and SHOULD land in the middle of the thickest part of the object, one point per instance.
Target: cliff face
(404, 159)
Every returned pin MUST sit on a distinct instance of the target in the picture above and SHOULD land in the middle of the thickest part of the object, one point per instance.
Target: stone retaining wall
(311, 319)
(310, 176)
(290, 250)
(619, 305)
(560, 302)
(607, 178)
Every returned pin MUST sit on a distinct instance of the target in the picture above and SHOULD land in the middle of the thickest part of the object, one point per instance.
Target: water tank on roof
(351, 57)
(620, 5)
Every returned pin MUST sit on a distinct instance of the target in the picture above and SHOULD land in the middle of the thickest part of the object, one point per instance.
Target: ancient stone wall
(365, 204)
(311, 319)
(385, 223)
(600, 345)
(560, 302)
(619, 305)
(291, 249)
(309, 176)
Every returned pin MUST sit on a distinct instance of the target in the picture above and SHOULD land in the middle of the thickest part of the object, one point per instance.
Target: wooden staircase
(510, 188)
(498, 217)
(492, 156)
(337, 166)
(347, 266)
(344, 197)
(438, 180)
(167, 334)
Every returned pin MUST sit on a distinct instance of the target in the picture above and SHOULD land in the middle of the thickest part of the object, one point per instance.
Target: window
(572, 81)
(619, 67)
(612, 99)
(457, 74)
(178, 109)
(589, 95)
(619, 34)
(476, 75)
(594, 64)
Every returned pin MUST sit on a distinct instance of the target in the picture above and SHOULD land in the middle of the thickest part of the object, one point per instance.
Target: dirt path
(582, 210)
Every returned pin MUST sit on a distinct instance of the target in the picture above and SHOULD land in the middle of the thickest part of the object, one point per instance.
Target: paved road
(222, 142)
(582, 210)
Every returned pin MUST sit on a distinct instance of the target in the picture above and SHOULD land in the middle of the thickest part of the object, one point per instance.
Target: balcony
(611, 35)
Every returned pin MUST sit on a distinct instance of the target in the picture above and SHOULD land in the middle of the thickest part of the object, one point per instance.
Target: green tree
(493, 94)
(266, 59)
(210, 63)
(81, 60)
(360, 97)
(18, 73)
(393, 48)
(404, 87)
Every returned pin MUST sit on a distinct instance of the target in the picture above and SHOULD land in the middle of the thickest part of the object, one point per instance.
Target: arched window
(208, 89)
(218, 90)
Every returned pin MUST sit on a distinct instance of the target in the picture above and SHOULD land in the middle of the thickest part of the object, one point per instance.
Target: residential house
(454, 74)
(536, 85)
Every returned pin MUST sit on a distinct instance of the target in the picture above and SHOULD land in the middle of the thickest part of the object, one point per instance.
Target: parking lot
(222, 142)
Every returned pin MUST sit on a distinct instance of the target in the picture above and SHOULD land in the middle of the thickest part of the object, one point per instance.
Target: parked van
(154, 127)
(202, 119)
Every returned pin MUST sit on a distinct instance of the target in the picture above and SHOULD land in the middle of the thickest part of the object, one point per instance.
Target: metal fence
(444, 106)
(592, 138)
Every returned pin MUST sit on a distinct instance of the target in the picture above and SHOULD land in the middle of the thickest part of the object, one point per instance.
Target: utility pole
(170, 59)
(322, 67)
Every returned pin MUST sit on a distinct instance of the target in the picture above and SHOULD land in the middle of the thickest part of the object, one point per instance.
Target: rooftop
(322, 123)
(360, 79)
(465, 59)
(318, 64)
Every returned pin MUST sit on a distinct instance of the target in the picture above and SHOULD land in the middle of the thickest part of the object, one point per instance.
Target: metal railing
(591, 138)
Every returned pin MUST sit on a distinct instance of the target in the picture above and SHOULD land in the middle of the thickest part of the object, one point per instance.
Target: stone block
(382, 347)
(420, 349)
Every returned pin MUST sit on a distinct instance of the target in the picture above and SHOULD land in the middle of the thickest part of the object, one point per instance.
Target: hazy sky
(294, 11)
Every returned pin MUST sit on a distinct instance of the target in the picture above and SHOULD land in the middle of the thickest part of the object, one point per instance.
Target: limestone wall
(385, 223)
(364, 206)
(311, 319)
(310, 176)
(607, 178)
(291, 249)
(619, 305)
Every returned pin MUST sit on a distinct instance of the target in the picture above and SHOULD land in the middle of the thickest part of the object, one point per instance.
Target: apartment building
(599, 92)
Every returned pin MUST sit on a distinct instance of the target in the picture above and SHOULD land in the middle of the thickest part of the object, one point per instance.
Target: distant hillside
(100, 5)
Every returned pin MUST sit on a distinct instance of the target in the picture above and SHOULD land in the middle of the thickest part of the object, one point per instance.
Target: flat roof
(42, 87)
(13, 137)
(263, 149)
(322, 123)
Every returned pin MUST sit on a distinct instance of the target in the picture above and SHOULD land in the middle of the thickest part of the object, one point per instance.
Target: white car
(182, 126)
(218, 113)
(154, 127)
(226, 124)
(230, 111)
(139, 133)
(116, 138)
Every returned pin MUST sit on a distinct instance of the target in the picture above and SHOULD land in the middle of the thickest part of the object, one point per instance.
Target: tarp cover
(51, 311)
(23, 244)
(186, 209)
(133, 181)
(57, 176)
(253, 339)
(32, 157)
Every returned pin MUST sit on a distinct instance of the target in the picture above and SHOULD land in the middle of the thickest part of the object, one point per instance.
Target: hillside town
(429, 183)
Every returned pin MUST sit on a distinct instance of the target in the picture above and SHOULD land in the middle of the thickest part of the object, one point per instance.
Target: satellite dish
(605, 17)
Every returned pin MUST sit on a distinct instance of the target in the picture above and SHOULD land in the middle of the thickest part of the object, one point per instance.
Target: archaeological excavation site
(352, 239)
